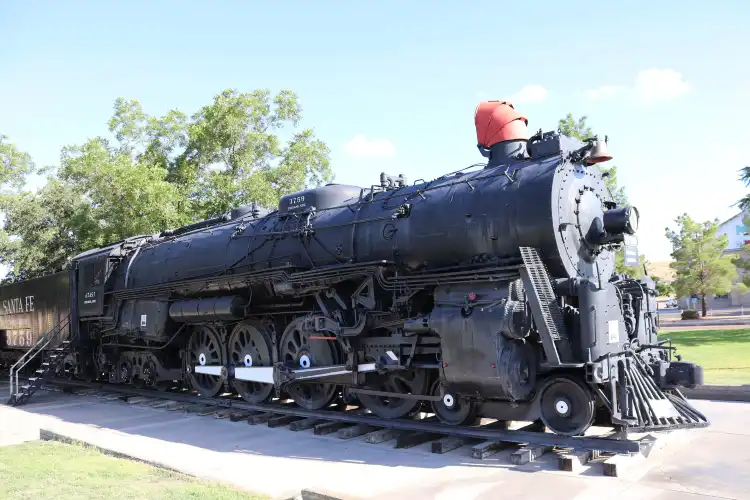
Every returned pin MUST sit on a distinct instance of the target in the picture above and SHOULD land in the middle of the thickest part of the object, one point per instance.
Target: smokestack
(501, 132)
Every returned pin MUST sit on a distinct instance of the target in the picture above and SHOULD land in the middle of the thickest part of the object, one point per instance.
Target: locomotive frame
(487, 293)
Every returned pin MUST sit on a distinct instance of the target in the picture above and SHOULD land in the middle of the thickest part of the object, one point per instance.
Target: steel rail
(583, 443)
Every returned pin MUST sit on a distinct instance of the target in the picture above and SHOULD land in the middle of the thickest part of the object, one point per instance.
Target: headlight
(621, 220)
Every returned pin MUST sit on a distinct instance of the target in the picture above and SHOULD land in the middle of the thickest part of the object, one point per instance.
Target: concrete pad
(717, 464)
(725, 416)
(712, 463)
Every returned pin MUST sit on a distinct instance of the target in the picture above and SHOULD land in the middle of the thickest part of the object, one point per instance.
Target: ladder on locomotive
(51, 359)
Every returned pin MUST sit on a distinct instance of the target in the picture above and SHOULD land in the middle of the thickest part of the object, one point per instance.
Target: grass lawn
(52, 470)
(723, 354)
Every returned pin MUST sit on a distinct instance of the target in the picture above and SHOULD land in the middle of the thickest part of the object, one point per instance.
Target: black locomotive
(483, 293)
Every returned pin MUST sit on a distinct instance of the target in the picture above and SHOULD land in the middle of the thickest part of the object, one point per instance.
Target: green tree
(125, 197)
(15, 165)
(229, 153)
(699, 264)
(744, 202)
(159, 172)
(741, 262)
(43, 229)
(579, 129)
(662, 289)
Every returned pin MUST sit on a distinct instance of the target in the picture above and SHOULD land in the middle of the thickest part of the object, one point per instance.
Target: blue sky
(392, 86)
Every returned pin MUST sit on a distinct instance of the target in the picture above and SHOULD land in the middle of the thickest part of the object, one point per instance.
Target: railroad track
(526, 444)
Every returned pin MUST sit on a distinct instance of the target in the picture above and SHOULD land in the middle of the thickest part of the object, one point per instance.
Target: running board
(265, 374)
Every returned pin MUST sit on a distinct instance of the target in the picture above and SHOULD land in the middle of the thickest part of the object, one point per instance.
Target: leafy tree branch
(155, 173)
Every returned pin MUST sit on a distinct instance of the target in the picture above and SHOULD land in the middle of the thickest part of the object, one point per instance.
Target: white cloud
(360, 146)
(660, 84)
(529, 94)
(651, 85)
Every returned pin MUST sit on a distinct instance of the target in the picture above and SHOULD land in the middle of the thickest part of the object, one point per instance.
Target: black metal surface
(444, 222)
(209, 309)
(450, 258)
(251, 340)
(321, 198)
(638, 403)
(578, 409)
(370, 392)
(204, 347)
(92, 274)
(475, 358)
(407, 381)
(511, 436)
(546, 309)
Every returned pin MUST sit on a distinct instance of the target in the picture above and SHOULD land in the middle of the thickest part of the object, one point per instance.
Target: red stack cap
(498, 121)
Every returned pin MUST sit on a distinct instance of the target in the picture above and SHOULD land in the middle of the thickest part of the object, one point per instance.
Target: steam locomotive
(483, 293)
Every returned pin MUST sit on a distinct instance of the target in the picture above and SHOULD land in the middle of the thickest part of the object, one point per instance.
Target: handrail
(29, 355)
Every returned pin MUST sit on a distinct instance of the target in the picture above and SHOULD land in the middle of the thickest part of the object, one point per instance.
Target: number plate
(20, 338)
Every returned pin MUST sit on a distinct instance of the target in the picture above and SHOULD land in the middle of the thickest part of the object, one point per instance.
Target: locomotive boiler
(483, 293)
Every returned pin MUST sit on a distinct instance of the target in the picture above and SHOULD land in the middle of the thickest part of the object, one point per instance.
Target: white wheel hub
(562, 407)
(202, 359)
(449, 401)
(248, 360)
(304, 361)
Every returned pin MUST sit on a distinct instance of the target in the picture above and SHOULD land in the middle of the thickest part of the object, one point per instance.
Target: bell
(599, 153)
